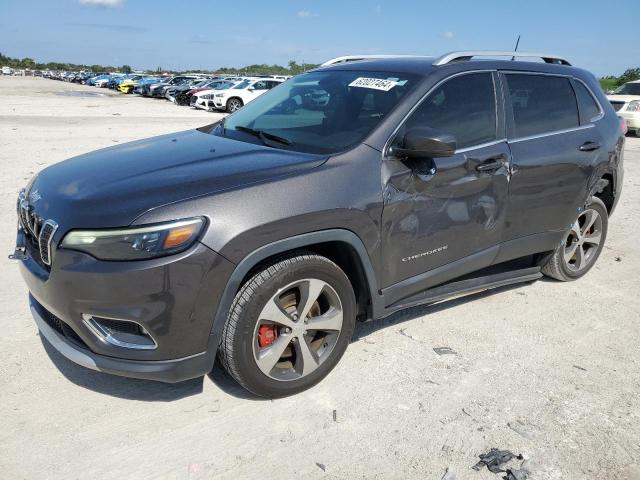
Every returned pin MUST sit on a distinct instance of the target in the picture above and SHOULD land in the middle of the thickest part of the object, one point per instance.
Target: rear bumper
(170, 371)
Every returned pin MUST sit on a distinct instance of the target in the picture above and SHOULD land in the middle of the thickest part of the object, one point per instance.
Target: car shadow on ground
(121, 387)
(363, 329)
(151, 391)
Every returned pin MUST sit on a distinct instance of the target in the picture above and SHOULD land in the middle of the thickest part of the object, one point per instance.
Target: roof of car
(424, 65)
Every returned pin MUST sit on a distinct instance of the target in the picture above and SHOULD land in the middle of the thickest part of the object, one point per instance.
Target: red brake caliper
(267, 334)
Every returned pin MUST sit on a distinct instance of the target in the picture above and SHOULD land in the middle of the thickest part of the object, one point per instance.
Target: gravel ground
(549, 370)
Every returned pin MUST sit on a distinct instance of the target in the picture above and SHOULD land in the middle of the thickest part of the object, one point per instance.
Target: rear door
(553, 154)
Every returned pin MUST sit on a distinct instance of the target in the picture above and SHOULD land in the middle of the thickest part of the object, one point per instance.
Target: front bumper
(170, 371)
(201, 103)
(173, 298)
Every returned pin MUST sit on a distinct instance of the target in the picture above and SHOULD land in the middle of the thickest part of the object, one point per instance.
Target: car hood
(113, 186)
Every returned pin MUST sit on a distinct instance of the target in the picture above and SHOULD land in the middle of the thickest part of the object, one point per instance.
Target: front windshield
(243, 84)
(321, 112)
(628, 89)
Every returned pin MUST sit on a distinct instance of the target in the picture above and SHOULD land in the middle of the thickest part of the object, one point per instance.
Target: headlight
(219, 95)
(634, 106)
(206, 97)
(135, 243)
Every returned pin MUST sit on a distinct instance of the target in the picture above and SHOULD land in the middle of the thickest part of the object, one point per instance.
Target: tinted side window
(464, 106)
(588, 106)
(541, 104)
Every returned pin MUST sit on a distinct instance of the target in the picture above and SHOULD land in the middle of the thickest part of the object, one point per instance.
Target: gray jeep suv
(347, 193)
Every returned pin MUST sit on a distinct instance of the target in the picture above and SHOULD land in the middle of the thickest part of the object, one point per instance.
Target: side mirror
(251, 89)
(425, 142)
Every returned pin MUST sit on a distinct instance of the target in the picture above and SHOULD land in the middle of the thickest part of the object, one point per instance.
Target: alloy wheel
(297, 329)
(583, 241)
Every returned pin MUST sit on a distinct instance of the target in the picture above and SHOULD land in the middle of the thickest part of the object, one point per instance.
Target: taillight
(623, 125)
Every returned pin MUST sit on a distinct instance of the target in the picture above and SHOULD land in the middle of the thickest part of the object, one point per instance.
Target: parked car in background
(103, 82)
(236, 97)
(92, 80)
(204, 98)
(128, 84)
(184, 97)
(144, 82)
(173, 90)
(158, 89)
(626, 102)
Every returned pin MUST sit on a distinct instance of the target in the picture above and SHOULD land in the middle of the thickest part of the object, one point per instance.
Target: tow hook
(19, 254)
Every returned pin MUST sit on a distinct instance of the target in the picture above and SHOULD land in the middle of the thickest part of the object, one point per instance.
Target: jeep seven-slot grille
(38, 232)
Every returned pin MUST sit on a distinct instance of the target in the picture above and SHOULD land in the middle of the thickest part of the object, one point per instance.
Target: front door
(441, 210)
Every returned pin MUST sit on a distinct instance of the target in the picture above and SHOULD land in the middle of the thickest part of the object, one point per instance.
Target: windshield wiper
(267, 138)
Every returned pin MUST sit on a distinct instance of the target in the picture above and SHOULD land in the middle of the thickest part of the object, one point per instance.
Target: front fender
(288, 244)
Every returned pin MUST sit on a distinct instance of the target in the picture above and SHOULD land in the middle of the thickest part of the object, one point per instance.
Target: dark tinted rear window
(541, 104)
(464, 106)
(588, 106)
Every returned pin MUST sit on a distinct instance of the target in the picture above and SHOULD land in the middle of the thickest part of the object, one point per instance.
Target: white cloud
(103, 3)
(448, 35)
(305, 14)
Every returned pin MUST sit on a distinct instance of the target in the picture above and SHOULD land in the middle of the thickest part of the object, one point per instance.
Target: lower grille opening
(121, 333)
(59, 326)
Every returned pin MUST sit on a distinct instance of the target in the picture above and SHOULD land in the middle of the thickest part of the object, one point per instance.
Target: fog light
(120, 333)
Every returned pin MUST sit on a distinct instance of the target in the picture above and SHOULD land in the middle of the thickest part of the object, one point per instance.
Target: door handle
(589, 146)
(490, 165)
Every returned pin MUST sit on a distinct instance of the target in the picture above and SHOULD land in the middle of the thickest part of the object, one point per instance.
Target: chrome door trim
(549, 134)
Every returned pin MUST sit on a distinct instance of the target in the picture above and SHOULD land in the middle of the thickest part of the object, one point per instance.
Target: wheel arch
(234, 98)
(341, 246)
(604, 188)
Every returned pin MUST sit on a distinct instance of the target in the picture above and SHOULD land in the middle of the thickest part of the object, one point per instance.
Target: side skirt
(466, 287)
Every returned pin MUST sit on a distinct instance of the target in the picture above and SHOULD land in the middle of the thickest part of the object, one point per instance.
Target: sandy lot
(549, 370)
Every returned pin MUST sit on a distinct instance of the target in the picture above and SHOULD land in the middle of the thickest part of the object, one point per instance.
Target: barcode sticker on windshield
(374, 83)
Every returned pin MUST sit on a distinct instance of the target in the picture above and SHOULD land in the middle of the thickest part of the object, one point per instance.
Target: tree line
(292, 68)
(608, 82)
(611, 81)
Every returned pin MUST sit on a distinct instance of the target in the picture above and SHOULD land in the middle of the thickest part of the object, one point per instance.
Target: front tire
(288, 326)
(582, 246)
(234, 104)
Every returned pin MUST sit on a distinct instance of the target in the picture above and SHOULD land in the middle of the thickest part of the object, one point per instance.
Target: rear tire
(582, 246)
(269, 344)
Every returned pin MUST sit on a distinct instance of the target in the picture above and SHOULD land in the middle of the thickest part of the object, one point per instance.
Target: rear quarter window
(589, 108)
(541, 104)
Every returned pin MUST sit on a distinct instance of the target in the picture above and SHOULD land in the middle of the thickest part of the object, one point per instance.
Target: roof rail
(355, 58)
(468, 55)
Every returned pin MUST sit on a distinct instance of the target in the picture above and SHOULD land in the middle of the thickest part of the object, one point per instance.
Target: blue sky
(184, 34)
